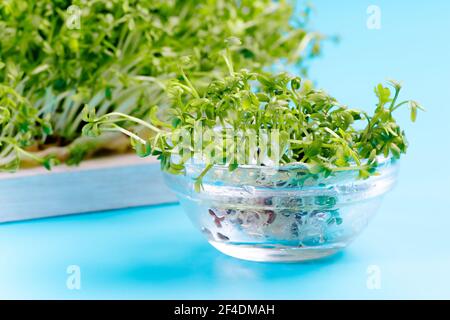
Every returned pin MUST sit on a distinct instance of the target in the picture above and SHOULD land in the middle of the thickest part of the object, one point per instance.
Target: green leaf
(49, 162)
(142, 149)
(91, 130)
(176, 122)
(414, 106)
(233, 166)
(88, 114)
(383, 94)
(296, 83)
(108, 93)
(395, 84)
(262, 97)
(364, 174)
(413, 113)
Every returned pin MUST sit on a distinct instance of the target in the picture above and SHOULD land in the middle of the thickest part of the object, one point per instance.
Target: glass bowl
(283, 214)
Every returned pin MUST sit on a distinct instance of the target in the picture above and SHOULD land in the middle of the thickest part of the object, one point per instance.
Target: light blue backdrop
(156, 253)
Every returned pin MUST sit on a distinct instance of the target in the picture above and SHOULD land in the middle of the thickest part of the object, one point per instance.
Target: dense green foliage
(313, 127)
(122, 56)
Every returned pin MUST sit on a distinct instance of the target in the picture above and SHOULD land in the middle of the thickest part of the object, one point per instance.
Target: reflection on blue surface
(156, 253)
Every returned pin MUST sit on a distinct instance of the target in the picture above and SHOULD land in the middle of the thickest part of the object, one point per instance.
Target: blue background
(155, 252)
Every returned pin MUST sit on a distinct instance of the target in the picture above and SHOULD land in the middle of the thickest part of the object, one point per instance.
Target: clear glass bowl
(281, 214)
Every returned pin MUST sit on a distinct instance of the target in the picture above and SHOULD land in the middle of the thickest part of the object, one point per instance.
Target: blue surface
(156, 253)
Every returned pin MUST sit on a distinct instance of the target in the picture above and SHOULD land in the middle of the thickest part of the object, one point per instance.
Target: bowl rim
(382, 162)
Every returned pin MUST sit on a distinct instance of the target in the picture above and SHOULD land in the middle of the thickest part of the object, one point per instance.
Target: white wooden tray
(99, 184)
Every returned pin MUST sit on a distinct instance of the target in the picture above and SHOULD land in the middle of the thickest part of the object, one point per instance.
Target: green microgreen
(313, 128)
(124, 54)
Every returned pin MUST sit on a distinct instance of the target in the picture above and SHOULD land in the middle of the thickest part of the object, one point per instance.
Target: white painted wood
(99, 184)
